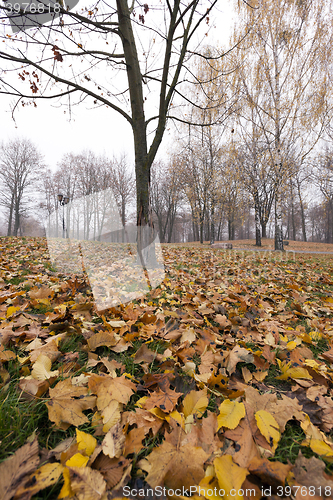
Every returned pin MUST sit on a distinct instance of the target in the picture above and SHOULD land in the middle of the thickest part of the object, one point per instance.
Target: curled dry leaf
(41, 369)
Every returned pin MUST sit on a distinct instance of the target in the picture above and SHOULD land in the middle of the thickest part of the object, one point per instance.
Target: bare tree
(62, 60)
(123, 184)
(166, 194)
(285, 77)
(20, 168)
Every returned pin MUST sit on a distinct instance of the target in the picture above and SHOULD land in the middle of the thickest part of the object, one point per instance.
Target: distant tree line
(192, 198)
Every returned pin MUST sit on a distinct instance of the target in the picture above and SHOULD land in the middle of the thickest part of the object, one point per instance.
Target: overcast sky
(102, 130)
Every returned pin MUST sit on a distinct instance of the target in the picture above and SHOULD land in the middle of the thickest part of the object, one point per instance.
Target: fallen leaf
(41, 369)
(195, 403)
(272, 473)
(101, 339)
(231, 413)
(42, 478)
(114, 441)
(77, 460)
(230, 476)
(176, 467)
(166, 401)
(268, 427)
(133, 441)
(112, 469)
(87, 483)
(85, 442)
(15, 470)
(238, 355)
(67, 403)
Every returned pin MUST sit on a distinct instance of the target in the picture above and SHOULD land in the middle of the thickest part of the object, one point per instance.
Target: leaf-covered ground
(218, 382)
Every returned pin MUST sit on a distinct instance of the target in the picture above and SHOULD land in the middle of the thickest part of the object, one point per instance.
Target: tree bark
(257, 219)
(212, 223)
(263, 229)
(145, 236)
(278, 222)
(302, 210)
(10, 220)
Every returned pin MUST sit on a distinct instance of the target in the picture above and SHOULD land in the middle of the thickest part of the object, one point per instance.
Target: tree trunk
(263, 229)
(145, 234)
(293, 224)
(10, 220)
(231, 228)
(278, 222)
(16, 221)
(257, 219)
(201, 231)
(212, 224)
(171, 223)
(302, 210)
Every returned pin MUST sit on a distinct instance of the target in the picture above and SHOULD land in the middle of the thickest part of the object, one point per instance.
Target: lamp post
(63, 200)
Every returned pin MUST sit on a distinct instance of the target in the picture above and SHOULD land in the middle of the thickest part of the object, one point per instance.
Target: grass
(271, 380)
(40, 309)
(19, 418)
(321, 346)
(49, 266)
(290, 445)
(15, 281)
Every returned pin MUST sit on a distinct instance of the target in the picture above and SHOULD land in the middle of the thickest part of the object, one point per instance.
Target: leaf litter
(219, 378)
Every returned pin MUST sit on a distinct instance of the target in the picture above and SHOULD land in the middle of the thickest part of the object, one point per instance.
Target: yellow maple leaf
(85, 442)
(231, 412)
(268, 427)
(42, 368)
(230, 476)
